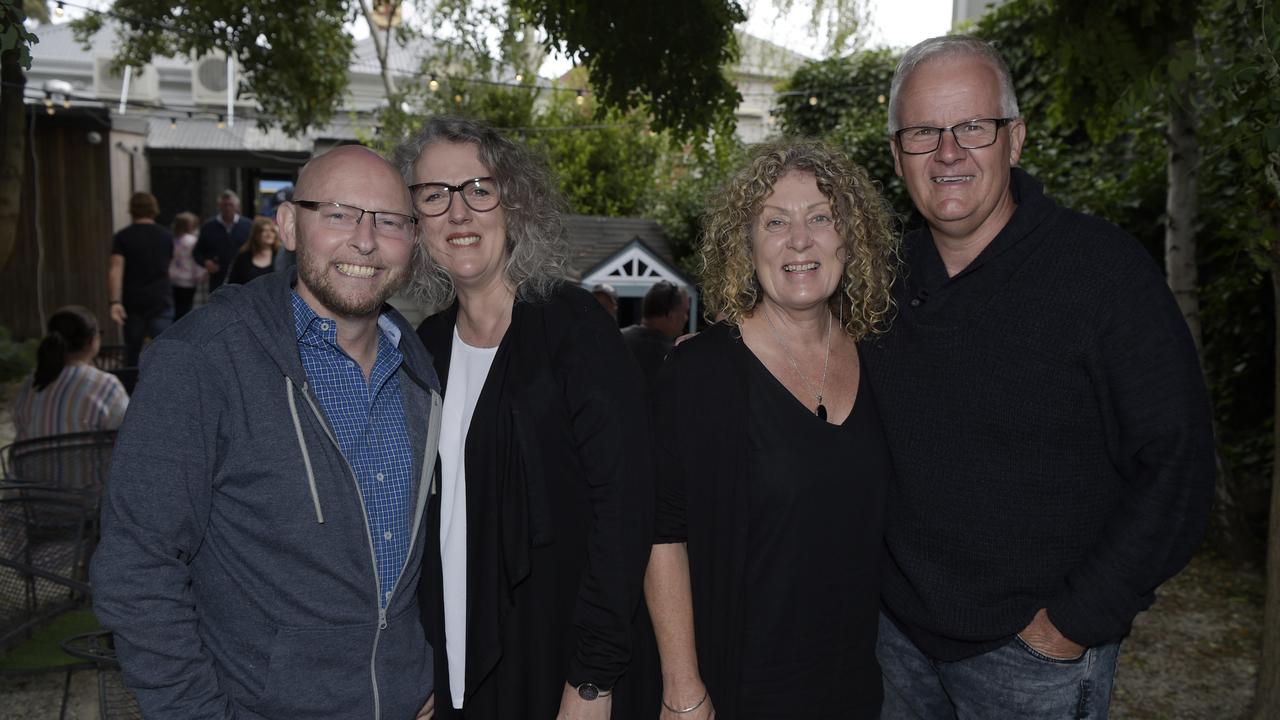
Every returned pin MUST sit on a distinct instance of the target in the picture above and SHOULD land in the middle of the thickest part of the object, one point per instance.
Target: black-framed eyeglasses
(970, 135)
(390, 225)
(431, 199)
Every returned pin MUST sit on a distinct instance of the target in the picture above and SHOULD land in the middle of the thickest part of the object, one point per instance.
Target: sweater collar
(1033, 208)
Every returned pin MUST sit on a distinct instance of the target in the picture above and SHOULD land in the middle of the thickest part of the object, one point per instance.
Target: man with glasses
(263, 528)
(1046, 412)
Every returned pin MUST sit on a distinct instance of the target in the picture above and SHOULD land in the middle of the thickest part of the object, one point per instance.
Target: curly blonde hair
(862, 220)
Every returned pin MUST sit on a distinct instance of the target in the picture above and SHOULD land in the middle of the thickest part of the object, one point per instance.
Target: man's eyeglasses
(435, 198)
(390, 225)
(970, 135)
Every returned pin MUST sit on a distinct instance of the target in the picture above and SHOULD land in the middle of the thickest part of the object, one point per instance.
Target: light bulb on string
(813, 100)
(434, 84)
(519, 78)
(222, 123)
(173, 123)
(457, 99)
(59, 11)
(582, 98)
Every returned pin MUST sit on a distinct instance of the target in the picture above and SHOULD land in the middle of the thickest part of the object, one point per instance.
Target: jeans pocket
(1026, 647)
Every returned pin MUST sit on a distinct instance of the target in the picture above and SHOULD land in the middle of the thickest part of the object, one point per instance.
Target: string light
(59, 11)
(457, 99)
(813, 100)
(222, 123)
(519, 77)
(582, 98)
(48, 106)
(880, 99)
(173, 123)
(434, 84)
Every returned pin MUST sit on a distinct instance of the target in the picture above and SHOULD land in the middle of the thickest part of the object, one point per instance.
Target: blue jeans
(1012, 681)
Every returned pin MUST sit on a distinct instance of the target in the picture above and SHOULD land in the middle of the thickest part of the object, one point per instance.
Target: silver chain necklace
(821, 410)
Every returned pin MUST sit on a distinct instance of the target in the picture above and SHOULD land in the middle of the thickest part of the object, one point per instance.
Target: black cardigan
(559, 511)
(700, 411)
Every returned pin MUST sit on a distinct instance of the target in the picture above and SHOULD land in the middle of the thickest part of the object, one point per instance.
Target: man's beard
(313, 272)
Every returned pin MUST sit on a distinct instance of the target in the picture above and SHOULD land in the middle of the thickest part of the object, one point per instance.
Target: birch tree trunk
(381, 43)
(13, 148)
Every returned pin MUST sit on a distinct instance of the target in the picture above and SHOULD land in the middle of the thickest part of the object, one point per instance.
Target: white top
(468, 368)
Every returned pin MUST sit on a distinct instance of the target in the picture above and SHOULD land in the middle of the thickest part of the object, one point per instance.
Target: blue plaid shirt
(368, 420)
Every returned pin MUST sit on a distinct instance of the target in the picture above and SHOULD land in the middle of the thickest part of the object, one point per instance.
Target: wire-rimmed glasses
(391, 225)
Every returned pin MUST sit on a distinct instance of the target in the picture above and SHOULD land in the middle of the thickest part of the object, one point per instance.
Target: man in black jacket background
(1046, 412)
(220, 239)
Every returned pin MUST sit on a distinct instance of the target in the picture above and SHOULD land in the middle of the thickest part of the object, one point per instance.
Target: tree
(665, 54)
(15, 57)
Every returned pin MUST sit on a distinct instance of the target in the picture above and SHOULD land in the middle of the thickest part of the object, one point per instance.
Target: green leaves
(14, 36)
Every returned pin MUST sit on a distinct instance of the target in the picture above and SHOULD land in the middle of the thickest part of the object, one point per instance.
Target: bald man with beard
(262, 528)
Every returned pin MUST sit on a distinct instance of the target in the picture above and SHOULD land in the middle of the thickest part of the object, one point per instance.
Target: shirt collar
(304, 318)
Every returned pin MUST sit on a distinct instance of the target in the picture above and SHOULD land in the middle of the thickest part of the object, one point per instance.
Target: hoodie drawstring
(302, 445)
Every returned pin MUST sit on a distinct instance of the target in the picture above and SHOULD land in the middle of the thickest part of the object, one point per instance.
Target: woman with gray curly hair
(763, 582)
(541, 529)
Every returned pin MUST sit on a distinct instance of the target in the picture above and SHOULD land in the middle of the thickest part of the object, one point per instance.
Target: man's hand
(573, 707)
(1043, 637)
(428, 711)
(118, 314)
(211, 267)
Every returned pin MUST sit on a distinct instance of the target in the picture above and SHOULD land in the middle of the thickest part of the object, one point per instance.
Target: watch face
(588, 691)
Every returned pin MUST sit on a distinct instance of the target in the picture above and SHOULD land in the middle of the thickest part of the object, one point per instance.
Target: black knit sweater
(1050, 432)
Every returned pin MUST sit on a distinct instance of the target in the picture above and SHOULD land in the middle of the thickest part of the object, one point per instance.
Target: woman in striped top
(67, 393)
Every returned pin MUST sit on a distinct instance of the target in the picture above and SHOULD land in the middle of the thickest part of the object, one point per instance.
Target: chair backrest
(75, 461)
(110, 357)
(44, 557)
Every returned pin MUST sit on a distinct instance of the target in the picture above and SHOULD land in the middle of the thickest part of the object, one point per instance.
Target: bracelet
(689, 709)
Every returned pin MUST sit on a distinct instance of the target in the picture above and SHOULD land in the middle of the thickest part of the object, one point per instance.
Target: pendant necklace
(821, 410)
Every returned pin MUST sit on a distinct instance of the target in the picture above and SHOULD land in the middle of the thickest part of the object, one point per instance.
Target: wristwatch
(591, 691)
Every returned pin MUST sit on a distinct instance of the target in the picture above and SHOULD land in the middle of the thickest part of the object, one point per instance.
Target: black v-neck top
(815, 493)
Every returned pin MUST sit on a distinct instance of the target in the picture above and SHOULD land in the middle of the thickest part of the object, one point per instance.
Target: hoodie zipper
(373, 557)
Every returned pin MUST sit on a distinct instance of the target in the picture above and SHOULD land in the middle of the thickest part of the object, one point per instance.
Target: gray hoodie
(236, 568)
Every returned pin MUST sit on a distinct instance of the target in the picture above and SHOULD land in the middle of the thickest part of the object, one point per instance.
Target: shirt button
(379, 476)
(351, 363)
(387, 534)
(388, 595)
(324, 326)
(915, 302)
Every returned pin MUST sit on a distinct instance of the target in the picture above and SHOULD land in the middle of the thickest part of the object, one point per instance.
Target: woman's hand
(693, 696)
(573, 707)
(428, 710)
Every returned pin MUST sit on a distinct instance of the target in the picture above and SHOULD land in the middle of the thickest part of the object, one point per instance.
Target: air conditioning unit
(144, 84)
(209, 81)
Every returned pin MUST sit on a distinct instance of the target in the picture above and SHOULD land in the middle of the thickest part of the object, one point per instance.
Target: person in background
(185, 274)
(763, 581)
(256, 258)
(221, 238)
(608, 299)
(665, 317)
(1049, 423)
(138, 276)
(66, 393)
(541, 529)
